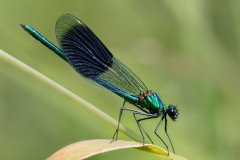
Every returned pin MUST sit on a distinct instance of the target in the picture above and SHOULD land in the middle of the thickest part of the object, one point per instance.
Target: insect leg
(167, 134)
(143, 112)
(155, 131)
(150, 116)
(119, 119)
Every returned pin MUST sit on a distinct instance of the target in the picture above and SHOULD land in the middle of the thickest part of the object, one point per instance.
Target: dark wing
(92, 60)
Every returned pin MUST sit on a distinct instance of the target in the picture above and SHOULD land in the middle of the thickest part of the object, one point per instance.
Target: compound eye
(172, 112)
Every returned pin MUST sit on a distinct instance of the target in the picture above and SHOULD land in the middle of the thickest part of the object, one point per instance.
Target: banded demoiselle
(82, 49)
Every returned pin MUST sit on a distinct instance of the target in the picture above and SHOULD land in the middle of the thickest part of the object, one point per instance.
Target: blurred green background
(186, 51)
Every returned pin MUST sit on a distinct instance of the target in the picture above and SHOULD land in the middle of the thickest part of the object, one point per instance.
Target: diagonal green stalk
(22, 66)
